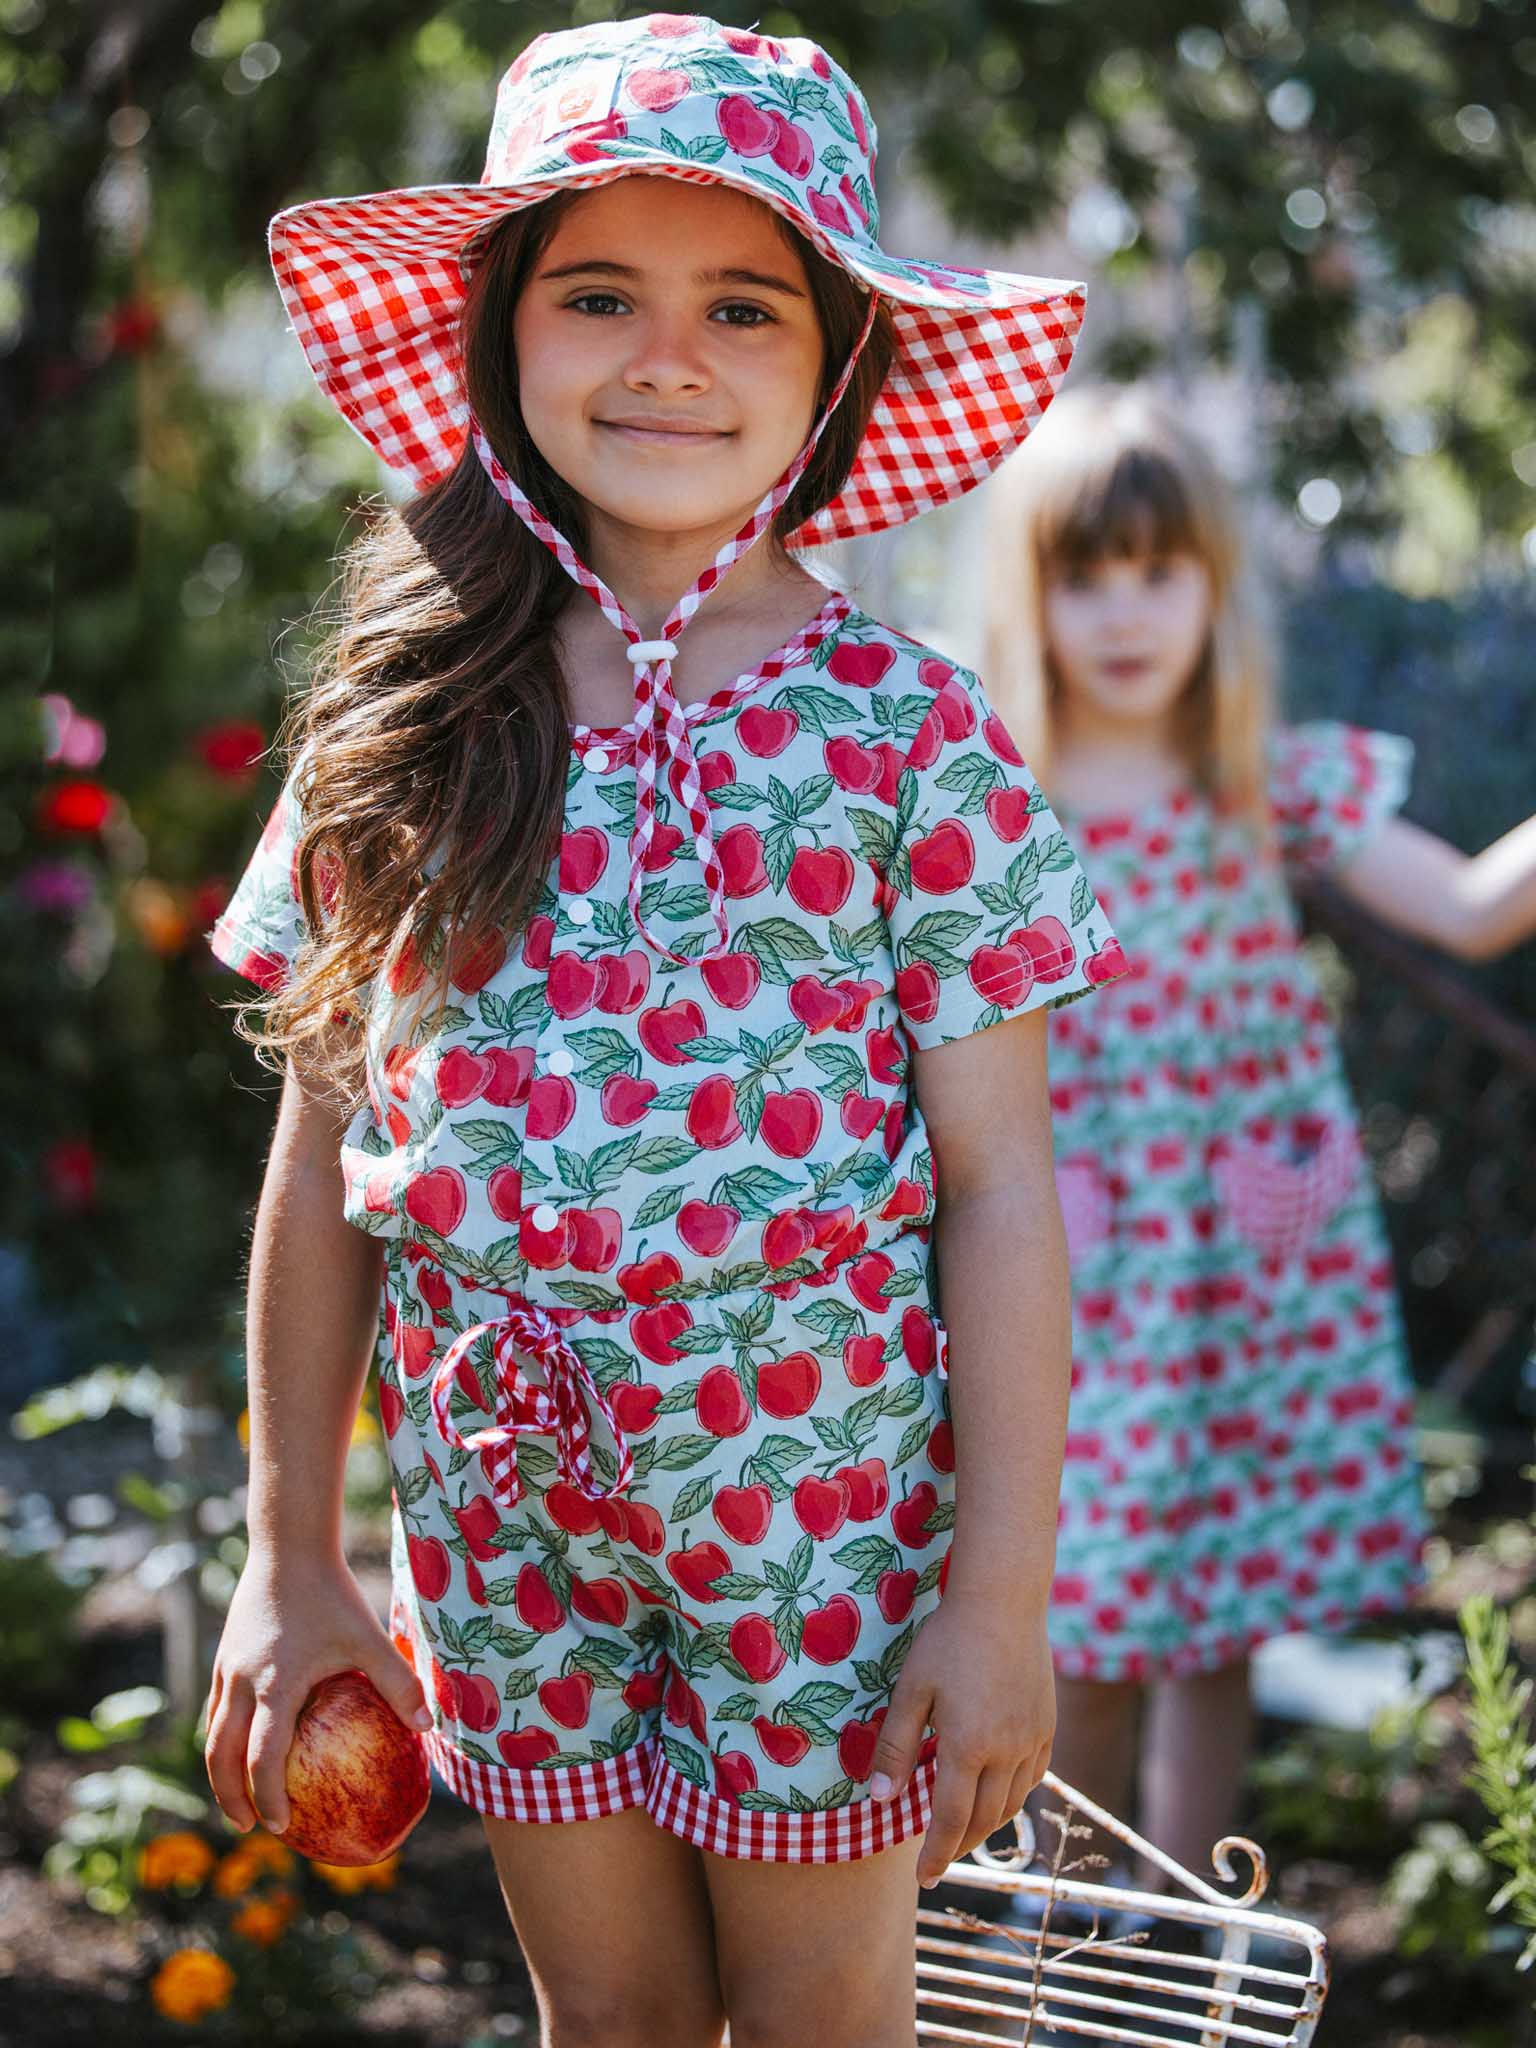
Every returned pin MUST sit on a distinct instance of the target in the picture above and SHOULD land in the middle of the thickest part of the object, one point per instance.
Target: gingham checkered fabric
(661, 730)
(558, 1409)
(1280, 1204)
(642, 1777)
(618, 740)
(375, 285)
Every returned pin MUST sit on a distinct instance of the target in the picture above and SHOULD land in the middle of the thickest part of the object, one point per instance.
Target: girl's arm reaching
(979, 1671)
(1475, 906)
(298, 1614)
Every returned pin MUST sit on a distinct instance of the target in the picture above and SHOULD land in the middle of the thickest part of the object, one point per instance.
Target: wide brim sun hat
(375, 285)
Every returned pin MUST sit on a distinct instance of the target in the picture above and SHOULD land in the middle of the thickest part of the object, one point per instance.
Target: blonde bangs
(1111, 474)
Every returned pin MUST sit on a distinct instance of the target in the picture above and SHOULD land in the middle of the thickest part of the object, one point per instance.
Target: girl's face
(669, 355)
(1125, 634)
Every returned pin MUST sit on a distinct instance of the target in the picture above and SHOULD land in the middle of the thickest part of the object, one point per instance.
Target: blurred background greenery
(1312, 221)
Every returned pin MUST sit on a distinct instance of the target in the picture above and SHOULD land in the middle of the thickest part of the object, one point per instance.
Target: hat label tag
(586, 100)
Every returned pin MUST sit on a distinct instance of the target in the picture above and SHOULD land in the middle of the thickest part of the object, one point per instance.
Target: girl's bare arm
(979, 1671)
(298, 1614)
(1475, 906)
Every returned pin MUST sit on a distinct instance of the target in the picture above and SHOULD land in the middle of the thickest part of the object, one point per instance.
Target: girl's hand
(986, 1688)
(288, 1627)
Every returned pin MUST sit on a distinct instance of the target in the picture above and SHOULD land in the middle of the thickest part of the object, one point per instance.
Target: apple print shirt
(660, 1364)
(1238, 1459)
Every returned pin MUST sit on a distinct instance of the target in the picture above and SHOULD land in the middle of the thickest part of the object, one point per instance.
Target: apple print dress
(1238, 1459)
(660, 1362)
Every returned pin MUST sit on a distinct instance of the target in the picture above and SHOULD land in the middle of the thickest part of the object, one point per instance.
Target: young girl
(1238, 1458)
(659, 949)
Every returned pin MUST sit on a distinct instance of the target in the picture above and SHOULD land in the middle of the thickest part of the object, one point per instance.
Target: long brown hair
(433, 731)
(1113, 472)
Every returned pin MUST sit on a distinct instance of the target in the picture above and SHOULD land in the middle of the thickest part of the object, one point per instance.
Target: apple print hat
(374, 287)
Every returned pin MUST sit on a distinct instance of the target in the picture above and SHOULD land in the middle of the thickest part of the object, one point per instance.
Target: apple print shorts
(717, 1642)
(659, 1369)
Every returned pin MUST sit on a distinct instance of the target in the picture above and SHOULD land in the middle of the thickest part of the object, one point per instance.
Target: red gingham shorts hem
(642, 1777)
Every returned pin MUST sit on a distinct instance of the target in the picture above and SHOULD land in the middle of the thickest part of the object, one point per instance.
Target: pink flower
(69, 739)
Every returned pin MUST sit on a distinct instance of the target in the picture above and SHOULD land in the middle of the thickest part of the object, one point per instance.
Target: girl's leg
(613, 1918)
(1199, 1732)
(1097, 1727)
(818, 1952)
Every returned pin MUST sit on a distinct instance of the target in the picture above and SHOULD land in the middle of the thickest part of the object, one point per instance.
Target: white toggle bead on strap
(645, 651)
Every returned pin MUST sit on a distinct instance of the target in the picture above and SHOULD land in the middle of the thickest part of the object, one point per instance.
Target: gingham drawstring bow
(558, 1410)
(662, 738)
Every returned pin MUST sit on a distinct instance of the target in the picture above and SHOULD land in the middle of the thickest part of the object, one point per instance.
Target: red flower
(69, 1173)
(79, 806)
(233, 749)
(132, 326)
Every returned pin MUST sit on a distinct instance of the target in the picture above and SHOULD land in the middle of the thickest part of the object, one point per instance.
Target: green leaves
(972, 777)
(934, 937)
(778, 944)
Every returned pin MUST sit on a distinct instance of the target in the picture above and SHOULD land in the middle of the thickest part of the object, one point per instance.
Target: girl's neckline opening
(791, 653)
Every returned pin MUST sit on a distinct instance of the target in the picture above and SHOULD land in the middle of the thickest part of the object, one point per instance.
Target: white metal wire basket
(1074, 1961)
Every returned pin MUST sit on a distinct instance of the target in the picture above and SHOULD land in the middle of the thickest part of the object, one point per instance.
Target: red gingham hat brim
(374, 287)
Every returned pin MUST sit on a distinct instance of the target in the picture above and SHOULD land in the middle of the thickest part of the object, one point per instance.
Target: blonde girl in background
(1239, 1452)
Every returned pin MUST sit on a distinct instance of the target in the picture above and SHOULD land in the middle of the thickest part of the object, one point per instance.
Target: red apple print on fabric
(944, 859)
(583, 857)
(861, 666)
(652, 1331)
(919, 992)
(537, 1607)
(757, 1648)
(625, 1100)
(781, 1743)
(766, 733)
(851, 766)
(821, 880)
(431, 1565)
(733, 979)
(740, 848)
(573, 984)
(437, 1199)
(462, 1077)
(1008, 813)
(791, 1122)
(712, 1120)
(656, 90)
(749, 129)
(476, 961)
(745, 1513)
(831, 1631)
(623, 981)
(707, 1228)
(720, 1403)
(663, 1030)
(522, 1749)
(909, 1516)
(635, 1408)
(788, 1387)
(697, 1567)
(829, 212)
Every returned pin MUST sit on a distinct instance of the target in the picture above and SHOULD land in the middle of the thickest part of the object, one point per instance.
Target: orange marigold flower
(177, 1858)
(236, 1873)
(264, 1920)
(348, 1878)
(267, 1853)
(191, 1984)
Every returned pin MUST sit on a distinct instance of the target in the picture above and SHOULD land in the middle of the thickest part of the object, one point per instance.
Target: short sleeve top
(1332, 788)
(588, 1109)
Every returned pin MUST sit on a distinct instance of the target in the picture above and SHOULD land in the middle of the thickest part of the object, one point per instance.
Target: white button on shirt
(595, 759)
(561, 1061)
(544, 1217)
(579, 910)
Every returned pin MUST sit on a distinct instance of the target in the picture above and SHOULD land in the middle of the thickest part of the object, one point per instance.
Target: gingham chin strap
(662, 737)
(558, 1410)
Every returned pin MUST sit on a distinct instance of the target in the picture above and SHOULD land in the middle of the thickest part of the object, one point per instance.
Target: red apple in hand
(356, 1778)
